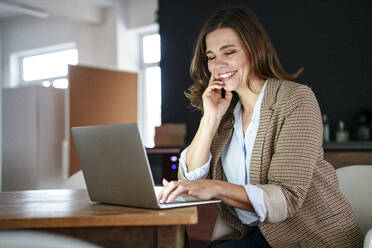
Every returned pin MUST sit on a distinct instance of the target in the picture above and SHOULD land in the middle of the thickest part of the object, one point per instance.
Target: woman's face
(227, 58)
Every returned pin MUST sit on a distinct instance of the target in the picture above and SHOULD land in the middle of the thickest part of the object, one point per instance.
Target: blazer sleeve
(200, 173)
(295, 156)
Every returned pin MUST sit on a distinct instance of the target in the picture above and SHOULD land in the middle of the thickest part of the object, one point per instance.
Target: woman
(258, 147)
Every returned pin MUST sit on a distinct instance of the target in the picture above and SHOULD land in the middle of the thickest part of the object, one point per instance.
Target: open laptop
(116, 169)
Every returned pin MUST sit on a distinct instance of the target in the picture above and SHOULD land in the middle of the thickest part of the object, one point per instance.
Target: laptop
(116, 168)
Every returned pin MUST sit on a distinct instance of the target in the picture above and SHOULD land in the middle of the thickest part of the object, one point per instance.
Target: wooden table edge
(98, 221)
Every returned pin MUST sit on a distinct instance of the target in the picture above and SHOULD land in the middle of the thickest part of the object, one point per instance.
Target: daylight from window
(153, 93)
(52, 66)
(151, 48)
(152, 86)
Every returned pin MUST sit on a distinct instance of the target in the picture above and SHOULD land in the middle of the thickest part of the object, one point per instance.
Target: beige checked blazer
(304, 205)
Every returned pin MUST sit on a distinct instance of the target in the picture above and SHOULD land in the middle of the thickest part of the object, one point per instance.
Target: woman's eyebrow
(221, 48)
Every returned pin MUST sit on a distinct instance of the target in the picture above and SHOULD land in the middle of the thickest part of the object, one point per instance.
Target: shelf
(348, 146)
(164, 150)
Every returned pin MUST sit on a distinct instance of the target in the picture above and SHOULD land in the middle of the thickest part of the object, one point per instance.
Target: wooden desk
(70, 212)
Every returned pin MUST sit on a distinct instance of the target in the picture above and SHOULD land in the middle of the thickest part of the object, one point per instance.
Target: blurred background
(141, 49)
(66, 63)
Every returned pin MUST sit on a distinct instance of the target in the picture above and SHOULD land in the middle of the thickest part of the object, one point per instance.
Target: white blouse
(236, 159)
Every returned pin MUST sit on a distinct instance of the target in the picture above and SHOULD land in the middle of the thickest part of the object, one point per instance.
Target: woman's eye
(229, 52)
(211, 58)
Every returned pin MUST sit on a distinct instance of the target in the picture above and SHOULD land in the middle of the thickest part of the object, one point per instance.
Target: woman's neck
(248, 97)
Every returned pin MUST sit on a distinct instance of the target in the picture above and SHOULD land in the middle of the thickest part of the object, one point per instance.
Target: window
(151, 86)
(48, 69)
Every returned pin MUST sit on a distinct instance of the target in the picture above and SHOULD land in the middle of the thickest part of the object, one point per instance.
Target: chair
(355, 182)
(34, 239)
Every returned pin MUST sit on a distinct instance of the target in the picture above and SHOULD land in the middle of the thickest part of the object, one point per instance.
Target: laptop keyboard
(179, 199)
(185, 198)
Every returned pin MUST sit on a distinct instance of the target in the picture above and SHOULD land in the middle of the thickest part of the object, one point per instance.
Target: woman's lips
(226, 76)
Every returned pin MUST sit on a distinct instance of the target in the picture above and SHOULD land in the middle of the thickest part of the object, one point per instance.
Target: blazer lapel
(267, 108)
(217, 147)
(227, 212)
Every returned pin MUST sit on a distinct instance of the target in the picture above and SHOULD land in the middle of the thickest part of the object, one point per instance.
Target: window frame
(143, 113)
(40, 51)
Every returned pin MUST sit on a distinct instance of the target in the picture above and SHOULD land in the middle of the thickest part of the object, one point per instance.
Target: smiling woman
(229, 63)
(259, 148)
(249, 39)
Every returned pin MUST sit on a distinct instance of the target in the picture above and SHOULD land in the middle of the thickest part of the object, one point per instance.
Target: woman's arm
(233, 195)
(296, 152)
(200, 173)
(214, 109)
(206, 189)
(198, 153)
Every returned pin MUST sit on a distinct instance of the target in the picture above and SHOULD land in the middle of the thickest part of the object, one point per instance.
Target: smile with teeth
(227, 75)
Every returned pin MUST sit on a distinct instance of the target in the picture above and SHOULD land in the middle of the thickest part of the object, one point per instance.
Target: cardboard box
(170, 134)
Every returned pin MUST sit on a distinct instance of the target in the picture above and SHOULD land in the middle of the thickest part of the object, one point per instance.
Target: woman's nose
(220, 63)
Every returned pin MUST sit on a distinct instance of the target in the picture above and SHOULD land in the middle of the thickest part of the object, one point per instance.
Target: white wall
(109, 44)
(95, 43)
(113, 43)
(1, 139)
(134, 17)
(140, 13)
(127, 48)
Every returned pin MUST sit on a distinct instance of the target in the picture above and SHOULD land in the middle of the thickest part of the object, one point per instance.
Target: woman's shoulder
(290, 87)
(292, 93)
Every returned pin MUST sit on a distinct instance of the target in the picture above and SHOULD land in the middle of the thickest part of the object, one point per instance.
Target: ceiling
(83, 10)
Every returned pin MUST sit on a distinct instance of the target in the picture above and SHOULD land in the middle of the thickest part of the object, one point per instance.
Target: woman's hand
(213, 104)
(206, 189)
(203, 189)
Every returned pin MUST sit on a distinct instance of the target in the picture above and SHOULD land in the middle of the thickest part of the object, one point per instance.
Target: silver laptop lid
(115, 165)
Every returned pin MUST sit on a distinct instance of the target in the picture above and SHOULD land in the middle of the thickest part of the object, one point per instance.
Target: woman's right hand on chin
(213, 104)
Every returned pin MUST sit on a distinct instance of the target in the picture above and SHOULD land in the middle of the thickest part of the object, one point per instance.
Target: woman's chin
(229, 88)
(231, 85)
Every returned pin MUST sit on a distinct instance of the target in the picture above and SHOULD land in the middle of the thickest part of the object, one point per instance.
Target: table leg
(128, 236)
(171, 236)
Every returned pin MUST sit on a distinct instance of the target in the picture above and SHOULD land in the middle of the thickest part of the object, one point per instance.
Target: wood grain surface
(100, 97)
(73, 208)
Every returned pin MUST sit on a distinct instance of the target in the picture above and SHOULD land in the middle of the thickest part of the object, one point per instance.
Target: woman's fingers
(165, 182)
(216, 82)
(201, 189)
(214, 86)
(212, 78)
(181, 189)
(160, 195)
(213, 89)
(172, 190)
(228, 95)
(170, 187)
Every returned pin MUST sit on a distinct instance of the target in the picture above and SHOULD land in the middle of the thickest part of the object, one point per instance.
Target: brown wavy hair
(263, 58)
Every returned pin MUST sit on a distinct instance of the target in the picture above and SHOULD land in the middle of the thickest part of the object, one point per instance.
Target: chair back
(32, 239)
(355, 182)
